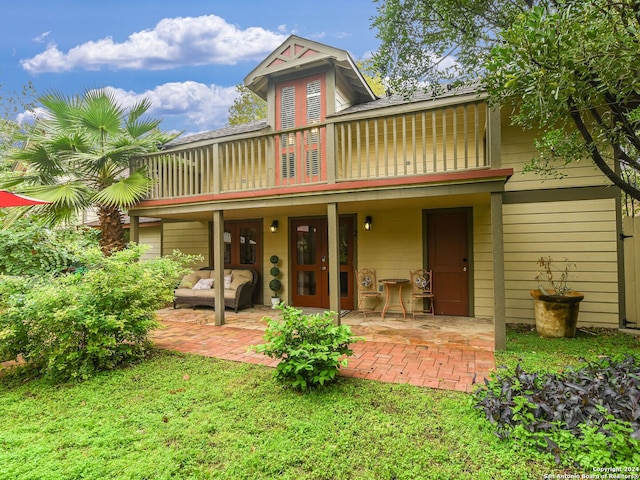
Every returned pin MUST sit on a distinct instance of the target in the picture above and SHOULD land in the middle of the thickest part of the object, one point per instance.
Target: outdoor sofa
(197, 288)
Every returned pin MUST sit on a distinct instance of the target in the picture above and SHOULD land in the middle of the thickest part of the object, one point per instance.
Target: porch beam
(334, 259)
(218, 264)
(426, 191)
(499, 293)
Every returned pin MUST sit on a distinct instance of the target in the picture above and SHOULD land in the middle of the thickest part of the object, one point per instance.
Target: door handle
(324, 268)
(464, 269)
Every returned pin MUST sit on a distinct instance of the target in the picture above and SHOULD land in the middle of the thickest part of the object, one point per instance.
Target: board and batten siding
(584, 232)
(151, 236)
(189, 237)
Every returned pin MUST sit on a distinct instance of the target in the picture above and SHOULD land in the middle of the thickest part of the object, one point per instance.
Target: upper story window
(300, 103)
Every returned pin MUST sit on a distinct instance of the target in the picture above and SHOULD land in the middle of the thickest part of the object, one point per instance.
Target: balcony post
(217, 168)
(330, 152)
(493, 137)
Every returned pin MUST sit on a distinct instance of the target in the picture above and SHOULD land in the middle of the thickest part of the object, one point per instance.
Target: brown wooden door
(448, 257)
(310, 263)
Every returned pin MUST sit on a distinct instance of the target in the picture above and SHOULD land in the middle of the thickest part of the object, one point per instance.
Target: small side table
(389, 283)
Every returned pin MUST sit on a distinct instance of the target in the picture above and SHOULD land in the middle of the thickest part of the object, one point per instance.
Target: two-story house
(439, 177)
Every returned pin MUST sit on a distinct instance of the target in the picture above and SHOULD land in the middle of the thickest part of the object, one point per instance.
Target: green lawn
(184, 416)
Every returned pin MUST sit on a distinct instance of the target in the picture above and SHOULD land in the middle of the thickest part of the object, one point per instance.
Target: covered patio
(451, 353)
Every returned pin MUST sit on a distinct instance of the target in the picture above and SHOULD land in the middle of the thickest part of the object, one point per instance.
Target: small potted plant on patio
(556, 305)
(275, 285)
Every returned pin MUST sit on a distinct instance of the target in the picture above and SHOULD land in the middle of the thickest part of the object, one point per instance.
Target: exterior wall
(151, 236)
(276, 244)
(583, 232)
(482, 262)
(518, 149)
(188, 237)
(398, 234)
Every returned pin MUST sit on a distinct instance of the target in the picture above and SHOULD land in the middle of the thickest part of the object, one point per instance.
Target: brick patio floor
(449, 353)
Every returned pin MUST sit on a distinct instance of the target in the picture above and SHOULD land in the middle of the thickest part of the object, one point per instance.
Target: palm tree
(79, 154)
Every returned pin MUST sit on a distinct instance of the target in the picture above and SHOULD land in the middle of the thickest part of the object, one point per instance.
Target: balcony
(441, 140)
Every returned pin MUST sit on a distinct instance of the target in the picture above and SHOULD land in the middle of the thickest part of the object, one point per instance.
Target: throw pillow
(204, 284)
(227, 282)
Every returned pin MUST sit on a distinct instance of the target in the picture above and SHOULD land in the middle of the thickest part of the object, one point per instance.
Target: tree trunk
(112, 238)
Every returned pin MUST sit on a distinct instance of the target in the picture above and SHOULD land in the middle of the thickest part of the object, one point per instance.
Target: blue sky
(185, 56)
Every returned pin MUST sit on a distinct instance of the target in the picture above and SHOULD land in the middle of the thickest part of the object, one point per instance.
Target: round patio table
(389, 284)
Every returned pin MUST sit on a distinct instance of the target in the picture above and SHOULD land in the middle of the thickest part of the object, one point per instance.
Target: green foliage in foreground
(72, 326)
(189, 417)
(311, 348)
(28, 248)
(588, 416)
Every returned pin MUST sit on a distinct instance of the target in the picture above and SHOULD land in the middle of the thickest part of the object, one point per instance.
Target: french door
(310, 263)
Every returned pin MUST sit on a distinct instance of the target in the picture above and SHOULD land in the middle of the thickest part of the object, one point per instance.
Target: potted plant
(556, 306)
(275, 285)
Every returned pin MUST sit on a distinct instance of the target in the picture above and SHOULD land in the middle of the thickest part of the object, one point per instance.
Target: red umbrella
(8, 199)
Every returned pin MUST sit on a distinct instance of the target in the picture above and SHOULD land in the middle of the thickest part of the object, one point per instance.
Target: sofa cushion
(204, 284)
(240, 277)
(189, 281)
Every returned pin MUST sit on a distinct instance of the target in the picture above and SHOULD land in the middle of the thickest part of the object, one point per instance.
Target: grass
(189, 417)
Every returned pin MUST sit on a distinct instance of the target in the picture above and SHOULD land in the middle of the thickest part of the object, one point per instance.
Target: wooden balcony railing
(441, 140)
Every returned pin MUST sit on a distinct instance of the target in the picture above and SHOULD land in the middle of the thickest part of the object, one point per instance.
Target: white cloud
(40, 38)
(174, 42)
(203, 106)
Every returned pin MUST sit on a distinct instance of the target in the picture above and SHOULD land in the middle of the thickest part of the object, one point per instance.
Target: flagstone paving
(450, 353)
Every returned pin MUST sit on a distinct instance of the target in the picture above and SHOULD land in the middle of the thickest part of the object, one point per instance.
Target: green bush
(310, 347)
(588, 416)
(27, 248)
(72, 326)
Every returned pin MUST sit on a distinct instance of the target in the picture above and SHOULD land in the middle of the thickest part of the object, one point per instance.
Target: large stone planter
(556, 315)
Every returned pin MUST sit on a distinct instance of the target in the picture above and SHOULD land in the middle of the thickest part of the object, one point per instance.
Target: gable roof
(301, 53)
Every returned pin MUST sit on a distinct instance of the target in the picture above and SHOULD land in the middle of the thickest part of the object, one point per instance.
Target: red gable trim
(475, 175)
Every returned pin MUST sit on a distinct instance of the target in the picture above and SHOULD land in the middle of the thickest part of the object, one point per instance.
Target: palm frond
(126, 192)
(37, 158)
(100, 113)
(61, 109)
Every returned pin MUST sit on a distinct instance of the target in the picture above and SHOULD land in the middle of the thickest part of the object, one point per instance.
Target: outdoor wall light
(274, 226)
(367, 222)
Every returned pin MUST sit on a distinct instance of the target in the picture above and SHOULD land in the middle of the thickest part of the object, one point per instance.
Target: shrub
(591, 416)
(73, 325)
(27, 248)
(310, 347)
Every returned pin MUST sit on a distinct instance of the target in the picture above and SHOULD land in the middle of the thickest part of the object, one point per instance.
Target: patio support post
(134, 229)
(334, 259)
(218, 264)
(499, 294)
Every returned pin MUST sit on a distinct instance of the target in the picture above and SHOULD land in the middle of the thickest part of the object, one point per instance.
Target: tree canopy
(567, 67)
(247, 107)
(78, 156)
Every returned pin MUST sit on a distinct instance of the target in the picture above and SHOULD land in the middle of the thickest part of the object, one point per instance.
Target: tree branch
(595, 153)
